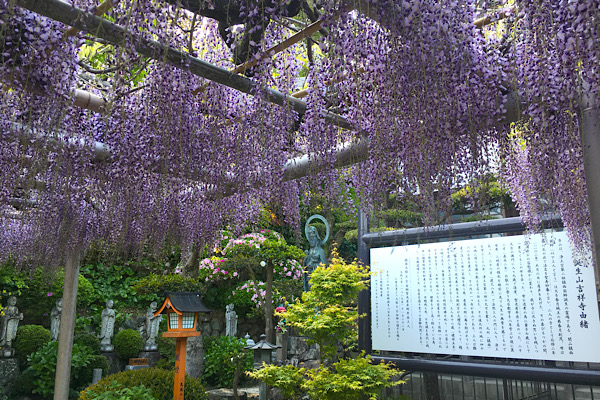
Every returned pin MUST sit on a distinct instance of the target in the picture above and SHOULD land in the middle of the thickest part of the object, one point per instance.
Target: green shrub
(287, 378)
(350, 379)
(166, 348)
(159, 381)
(89, 340)
(219, 369)
(114, 282)
(87, 372)
(30, 338)
(329, 311)
(86, 294)
(44, 289)
(23, 386)
(11, 282)
(118, 392)
(128, 343)
(42, 364)
(156, 285)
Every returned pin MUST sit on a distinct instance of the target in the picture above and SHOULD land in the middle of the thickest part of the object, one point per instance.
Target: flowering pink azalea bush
(249, 298)
(213, 269)
(240, 277)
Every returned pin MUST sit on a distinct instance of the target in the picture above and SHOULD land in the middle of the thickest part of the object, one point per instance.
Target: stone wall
(9, 372)
(213, 324)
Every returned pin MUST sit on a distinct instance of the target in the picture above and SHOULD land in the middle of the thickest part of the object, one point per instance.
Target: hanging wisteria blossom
(171, 157)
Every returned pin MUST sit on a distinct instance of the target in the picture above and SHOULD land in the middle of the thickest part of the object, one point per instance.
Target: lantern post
(263, 353)
(182, 310)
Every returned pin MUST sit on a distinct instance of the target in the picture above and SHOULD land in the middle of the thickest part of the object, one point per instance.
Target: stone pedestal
(9, 372)
(152, 356)
(194, 357)
(299, 348)
(282, 350)
(113, 362)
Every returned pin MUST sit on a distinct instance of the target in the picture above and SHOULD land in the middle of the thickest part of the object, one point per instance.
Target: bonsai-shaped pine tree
(329, 310)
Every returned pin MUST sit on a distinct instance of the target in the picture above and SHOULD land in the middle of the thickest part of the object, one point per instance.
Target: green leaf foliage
(349, 379)
(86, 294)
(11, 283)
(118, 392)
(114, 282)
(329, 309)
(89, 340)
(156, 285)
(287, 378)
(223, 354)
(43, 289)
(159, 381)
(42, 367)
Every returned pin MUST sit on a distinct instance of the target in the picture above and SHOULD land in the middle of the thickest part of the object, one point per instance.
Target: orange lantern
(182, 310)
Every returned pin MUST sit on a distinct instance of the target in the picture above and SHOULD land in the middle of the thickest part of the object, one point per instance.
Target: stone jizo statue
(55, 319)
(231, 320)
(108, 327)
(316, 254)
(9, 323)
(151, 327)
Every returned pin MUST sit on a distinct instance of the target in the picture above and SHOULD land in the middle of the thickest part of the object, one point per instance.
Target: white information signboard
(511, 297)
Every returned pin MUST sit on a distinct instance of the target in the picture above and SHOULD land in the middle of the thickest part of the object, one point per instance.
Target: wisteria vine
(186, 156)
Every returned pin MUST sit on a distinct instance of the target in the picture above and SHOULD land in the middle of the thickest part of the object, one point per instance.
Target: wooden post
(269, 330)
(67, 327)
(179, 384)
(364, 297)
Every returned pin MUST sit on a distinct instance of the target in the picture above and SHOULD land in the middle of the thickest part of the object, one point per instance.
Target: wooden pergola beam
(304, 33)
(100, 10)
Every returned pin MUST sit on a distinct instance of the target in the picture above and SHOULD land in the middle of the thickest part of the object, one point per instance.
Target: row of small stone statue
(149, 329)
(9, 323)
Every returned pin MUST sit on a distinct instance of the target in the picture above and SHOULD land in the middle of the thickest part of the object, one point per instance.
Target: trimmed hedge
(89, 340)
(128, 343)
(159, 381)
(30, 338)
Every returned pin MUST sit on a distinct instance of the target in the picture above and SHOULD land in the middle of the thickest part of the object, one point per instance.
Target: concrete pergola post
(67, 326)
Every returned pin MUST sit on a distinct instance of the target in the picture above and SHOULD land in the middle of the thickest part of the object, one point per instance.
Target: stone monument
(151, 328)
(55, 319)
(231, 321)
(9, 323)
(315, 255)
(108, 327)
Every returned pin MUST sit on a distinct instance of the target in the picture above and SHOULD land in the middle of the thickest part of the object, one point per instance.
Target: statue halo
(322, 218)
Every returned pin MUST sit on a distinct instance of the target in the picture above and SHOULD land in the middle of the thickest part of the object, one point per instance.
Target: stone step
(226, 394)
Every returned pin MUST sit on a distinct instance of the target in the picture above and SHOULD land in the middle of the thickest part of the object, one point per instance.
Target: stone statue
(9, 323)
(231, 320)
(316, 254)
(55, 319)
(108, 327)
(151, 327)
